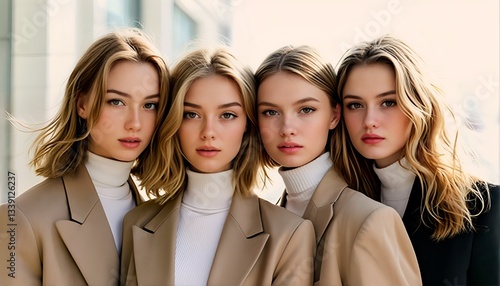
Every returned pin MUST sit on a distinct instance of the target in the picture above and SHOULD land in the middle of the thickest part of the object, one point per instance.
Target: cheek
(187, 134)
(239, 130)
(104, 127)
(234, 132)
(350, 123)
(407, 129)
(150, 123)
(267, 132)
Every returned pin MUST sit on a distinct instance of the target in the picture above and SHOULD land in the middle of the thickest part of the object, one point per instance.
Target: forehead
(213, 90)
(370, 78)
(134, 78)
(288, 87)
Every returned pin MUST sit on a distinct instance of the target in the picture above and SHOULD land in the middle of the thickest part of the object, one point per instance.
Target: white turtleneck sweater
(397, 183)
(110, 181)
(301, 182)
(204, 208)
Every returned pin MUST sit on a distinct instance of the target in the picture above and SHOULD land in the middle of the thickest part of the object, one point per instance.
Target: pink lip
(130, 142)
(289, 147)
(371, 138)
(207, 151)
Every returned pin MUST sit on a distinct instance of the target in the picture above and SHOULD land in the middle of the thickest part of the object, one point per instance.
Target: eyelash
(311, 110)
(392, 103)
(358, 105)
(189, 115)
(118, 102)
(268, 112)
(115, 102)
(275, 113)
(231, 115)
(154, 105)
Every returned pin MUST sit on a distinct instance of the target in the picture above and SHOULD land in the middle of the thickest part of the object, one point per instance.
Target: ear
(336, 113)
(81, 106)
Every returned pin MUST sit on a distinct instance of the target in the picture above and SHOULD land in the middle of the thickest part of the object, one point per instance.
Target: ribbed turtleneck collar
(306, 177)
(209, 191)
(396, 179)
(397, 182)
(109, 176)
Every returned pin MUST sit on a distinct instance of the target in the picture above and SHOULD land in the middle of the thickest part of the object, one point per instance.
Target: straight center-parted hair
(203, 63)
(61, 145)
(305, 62)
(451, 197)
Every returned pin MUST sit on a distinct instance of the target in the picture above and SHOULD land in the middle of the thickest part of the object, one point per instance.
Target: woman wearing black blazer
(470, 256)
(397, 150)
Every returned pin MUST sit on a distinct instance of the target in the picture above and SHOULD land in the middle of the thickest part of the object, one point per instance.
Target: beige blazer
(62, 235)
(359, 241)
(260, 244)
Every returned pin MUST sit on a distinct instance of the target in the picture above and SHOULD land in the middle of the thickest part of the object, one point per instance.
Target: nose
(287, 127)
(371, 119)
(207, 131)
(133, 121)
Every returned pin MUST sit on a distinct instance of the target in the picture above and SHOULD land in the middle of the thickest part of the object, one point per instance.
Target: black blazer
(470, 258)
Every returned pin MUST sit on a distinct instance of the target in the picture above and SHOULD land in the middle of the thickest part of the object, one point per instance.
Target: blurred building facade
(41, 40)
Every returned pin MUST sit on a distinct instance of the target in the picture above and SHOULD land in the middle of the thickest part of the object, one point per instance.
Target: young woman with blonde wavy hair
(206, 227)
(68, 228)
(397, 151)
(359, 241)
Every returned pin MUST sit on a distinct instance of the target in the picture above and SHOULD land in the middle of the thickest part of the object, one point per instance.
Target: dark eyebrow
(304, 100)
(390, 92)
(227, 105)
(128, 95)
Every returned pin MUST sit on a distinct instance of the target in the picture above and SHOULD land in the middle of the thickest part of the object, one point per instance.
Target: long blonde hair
(305, 62)
(195, 65)
(448, 192)
(61, 145)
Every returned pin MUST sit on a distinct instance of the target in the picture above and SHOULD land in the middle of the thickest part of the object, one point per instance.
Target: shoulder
(490, 213)
(43, 197)
(494, 191)
(356, 209)
(37, 208)
(44, 188)
(358, 203)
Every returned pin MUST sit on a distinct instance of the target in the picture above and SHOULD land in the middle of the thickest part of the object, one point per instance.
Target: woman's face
(213, 125)
(128, 115)
(377, 127)
(295, 118)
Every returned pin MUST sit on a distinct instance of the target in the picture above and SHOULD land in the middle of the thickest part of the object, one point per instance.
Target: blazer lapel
(87, 235)
(241, 242)
(411, 217)
(154, 246)
(320, 208)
